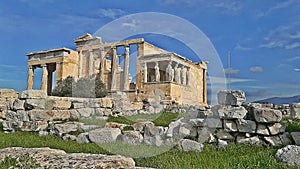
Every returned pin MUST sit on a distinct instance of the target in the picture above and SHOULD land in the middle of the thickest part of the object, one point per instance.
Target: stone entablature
(153, 64)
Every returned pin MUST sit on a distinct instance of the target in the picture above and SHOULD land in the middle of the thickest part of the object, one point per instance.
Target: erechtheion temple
(158, 72)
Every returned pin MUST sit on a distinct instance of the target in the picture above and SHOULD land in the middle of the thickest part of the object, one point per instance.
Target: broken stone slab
(231, 97)
(262, 129)
(131, 137)
(246, 126)
(229, 112)
(289, 154)
(248, 140)
(104, 135)
(8, 93)
(267, 115)
(295, 110)
(33, 94)
(190, 145)
(276, 128)
(53, 158)
(83, 138)
(223, 135)
(296, 137)
(67, 127)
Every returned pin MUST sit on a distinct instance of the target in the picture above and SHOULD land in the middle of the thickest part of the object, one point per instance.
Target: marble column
(44, 78)
(145, 73)
(114, 68)
(91, 63)
(204, 87)
(188, 78)
(102, 64)
(59, 72)
(126, 68)
(80, 69)
(157, 74)
(30, 78)
(183, 75)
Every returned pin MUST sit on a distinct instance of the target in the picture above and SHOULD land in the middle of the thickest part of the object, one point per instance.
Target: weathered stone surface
(246, 126)
(296, 137)
(250, 140)
(190, 145)
(83, 138)
(51, 115)
(289, 154)
(3, 108)
(231, 97)
(267, 115)
(222, 144)
(199, 122)
(295, 110)
(18, 104)
(22, 115)
(33, 94)
(276, 128)
(8, 93)
(34, 125)
(286, 138)
(139, 126)
(66, 127)
(273, 140)
(223, 135)
(69, 137)
(213, 123)
(106, 102)
(131, 137)
(262, 129)
(86, 112)
(52, 158)
(152, 135)
(229, 112)
(204, 134)
(104, 135)
(230, 126)
(35, 104)
(115, 125)
(61, 104)
(43, 133)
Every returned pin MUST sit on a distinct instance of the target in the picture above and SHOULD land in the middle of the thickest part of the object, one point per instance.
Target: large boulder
(104, 135)
(33, 94)
(267, 115)
(229, 112)
(8, 93)
(52, 158)
(289, 154)
(231, 97)
(295, 110)
(190, 145)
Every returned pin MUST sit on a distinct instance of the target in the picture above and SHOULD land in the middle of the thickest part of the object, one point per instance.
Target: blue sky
(262, 36)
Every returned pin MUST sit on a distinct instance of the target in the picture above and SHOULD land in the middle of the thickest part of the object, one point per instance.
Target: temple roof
(49, 51)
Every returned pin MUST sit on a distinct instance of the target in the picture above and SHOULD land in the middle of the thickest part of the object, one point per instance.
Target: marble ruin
(159, 73)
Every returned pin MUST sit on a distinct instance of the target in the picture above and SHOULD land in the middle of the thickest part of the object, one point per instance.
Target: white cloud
(256, 69)
(111, 13)
(239, 47)
(278, 6)
(293, 45)
(297, 70)
(232, 71)
(221, 80)
(294, 58)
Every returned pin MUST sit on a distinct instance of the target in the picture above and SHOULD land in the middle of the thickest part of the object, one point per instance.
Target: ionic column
(204, 87)
(91, 65)
(30, 78)
(80, 69)
(114, 68)
(102, 60)
(44, 78)
(59, 71)
(145, 73)
(126, 68)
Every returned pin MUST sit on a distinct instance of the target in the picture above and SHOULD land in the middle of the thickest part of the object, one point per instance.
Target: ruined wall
(70, 65)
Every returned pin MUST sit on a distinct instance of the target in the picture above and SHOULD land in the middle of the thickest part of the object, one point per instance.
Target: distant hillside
(281, 100)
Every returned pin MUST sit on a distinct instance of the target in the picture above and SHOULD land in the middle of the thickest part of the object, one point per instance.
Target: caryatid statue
(169, 72)
(157, 74)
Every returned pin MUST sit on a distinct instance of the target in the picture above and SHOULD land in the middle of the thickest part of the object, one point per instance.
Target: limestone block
(67, 127)
(82, 138)
(230, 126)
(296, 137)
(223, 135)
(33, 94)
(78, 105)
(295, 110)
(213, 123)
(139, 126)
(3, 108)
(115, 125)
(106, 102)
(204, 134)
(199, 122)
(18, 104)
(289, 154)
(64, 114)
(231, 97)
(246, 126)
(190, 145)
(86, 112)
(69, 137)
(229, 112)
(38, 104)
(34, 125)
(43, 133)
(11, 115)
(131, 137)
(104, 135)
(222, 144)
(251, 140)
(286, 138)
(8, 93)
(262, 129)
(276, 128)
(152, 135)
(267, 115)
(273, 140)
(61, 104)
(22, 115)
(51, 115)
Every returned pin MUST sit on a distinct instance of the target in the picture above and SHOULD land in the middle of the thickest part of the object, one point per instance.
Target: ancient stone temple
(158, 73)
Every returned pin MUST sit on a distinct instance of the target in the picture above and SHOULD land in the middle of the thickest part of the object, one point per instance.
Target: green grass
(234, 156)
(292, 125)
